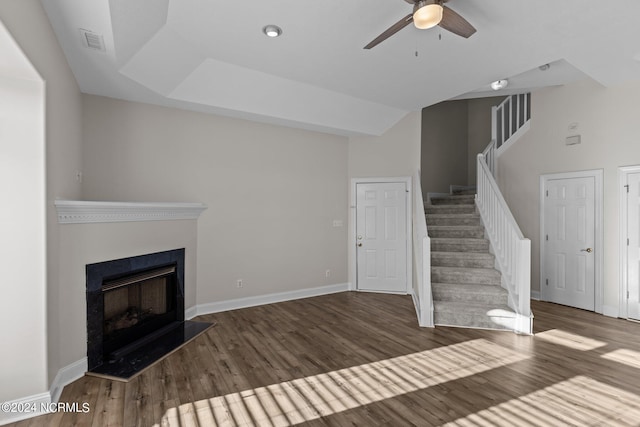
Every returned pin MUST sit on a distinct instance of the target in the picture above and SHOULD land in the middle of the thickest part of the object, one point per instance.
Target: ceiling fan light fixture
(272, 31)
(427, 14)
(499, 84)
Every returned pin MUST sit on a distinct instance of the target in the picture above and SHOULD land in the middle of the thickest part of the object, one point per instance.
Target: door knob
(588, 250)
(359, 244)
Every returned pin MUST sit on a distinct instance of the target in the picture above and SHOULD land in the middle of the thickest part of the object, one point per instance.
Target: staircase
(466, 287)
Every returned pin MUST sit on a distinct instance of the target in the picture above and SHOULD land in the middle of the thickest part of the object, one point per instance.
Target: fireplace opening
(136, 306)
(135, 313)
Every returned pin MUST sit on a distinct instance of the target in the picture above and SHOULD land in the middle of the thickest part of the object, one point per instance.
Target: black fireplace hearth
(135, 312)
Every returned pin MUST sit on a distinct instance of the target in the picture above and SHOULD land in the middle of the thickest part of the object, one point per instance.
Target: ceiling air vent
(92, 40)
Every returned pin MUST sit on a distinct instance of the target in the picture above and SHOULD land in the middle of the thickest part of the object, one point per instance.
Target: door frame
(598, 272)
(623, 172)
(353, 260)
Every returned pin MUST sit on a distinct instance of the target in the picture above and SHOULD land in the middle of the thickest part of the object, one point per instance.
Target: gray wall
(453, 133)
(478, 130)
(444, 146)
(272, 192)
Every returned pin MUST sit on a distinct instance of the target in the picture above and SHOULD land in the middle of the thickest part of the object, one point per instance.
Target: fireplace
(137, 305)
(135, 312)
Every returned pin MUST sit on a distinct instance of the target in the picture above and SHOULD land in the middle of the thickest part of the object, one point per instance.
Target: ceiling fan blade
(455, 23)
(391, 31)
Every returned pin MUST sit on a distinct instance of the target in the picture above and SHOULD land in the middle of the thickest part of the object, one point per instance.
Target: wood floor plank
(109, 409)
(360, 359)
(138, 403)
(164, 393)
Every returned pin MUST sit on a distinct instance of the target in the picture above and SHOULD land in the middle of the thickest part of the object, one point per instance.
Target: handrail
(422, 296)
(511, 248)
(490, 157)
(509, 118)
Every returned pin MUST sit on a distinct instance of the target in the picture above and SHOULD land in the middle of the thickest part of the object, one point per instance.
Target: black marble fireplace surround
(143, 298)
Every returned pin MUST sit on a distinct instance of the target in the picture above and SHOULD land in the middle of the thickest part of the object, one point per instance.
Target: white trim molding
(535, 295)
(513, 138)
(40, 404)
(610, 311)
(67, 375)
(34, 403)
(83, 212)
(234, 304)
(623, 176)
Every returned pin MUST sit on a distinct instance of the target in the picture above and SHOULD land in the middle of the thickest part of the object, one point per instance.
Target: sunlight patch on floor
(567, 339)
(624, 356)
(310, 398)
(579, 401)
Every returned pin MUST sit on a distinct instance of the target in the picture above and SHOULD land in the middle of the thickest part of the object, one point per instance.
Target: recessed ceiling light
(544, 67)
(499, 84)
(272, 31)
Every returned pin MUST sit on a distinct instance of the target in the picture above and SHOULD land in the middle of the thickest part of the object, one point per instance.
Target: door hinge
(547, 282)
(547, 237)
(627, 241)
(627, 294)
(547, 193)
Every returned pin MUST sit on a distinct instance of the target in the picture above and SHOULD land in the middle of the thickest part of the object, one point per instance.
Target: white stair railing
(510, 119)
(511, 249)
(422, 297)
(489, 154)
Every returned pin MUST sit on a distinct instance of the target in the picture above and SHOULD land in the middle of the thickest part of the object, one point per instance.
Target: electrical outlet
(327, 273)
(239, 283)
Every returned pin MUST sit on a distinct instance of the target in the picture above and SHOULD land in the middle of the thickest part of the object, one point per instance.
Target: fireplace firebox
(135, 312)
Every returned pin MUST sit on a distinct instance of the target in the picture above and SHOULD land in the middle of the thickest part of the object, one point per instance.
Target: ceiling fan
(427, 14)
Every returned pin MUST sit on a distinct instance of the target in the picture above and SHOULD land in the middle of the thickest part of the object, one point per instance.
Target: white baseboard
(191, 312)
(25, 407)
(535, 295)
(610, 311)
(67, 375)
(523, 325)
(234, 304)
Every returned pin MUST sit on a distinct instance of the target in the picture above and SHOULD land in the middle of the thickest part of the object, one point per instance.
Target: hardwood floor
(360, 359)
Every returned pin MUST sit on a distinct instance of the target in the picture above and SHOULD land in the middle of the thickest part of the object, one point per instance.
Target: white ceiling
(211, 55)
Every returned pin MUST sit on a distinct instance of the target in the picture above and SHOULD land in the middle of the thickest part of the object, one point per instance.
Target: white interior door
(569, 239)
(633, 245)
(381, 237)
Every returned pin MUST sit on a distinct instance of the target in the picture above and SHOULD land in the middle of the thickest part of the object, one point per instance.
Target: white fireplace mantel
(84, 212)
